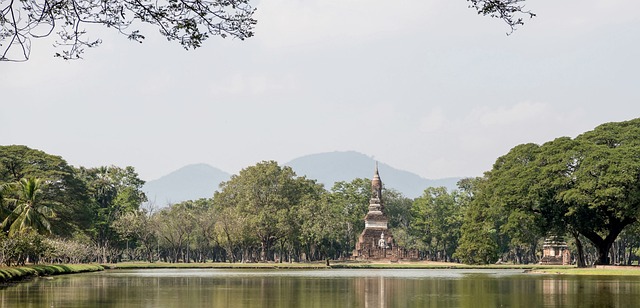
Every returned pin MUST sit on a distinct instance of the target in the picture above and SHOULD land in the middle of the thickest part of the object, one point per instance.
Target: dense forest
(584, 189)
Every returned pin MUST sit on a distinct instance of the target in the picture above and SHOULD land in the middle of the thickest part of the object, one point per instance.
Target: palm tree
(29, 210)
(4, 189)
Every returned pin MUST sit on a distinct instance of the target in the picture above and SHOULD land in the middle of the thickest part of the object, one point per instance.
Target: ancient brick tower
(376, 240)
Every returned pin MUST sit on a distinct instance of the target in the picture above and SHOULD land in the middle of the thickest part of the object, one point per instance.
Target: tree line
(584, 189)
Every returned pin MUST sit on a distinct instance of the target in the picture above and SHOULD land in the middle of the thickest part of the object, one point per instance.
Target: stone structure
(555, 252)
(376, 241)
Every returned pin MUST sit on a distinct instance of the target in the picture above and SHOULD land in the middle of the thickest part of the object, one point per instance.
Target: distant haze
(187, 183)
(201, 180)
(332, 167)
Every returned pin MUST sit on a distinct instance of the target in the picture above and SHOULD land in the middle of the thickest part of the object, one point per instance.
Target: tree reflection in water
(322, 288)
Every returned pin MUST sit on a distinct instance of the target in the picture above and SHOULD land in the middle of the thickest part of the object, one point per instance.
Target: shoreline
(608, 270)
(21, 273)
(332, 265)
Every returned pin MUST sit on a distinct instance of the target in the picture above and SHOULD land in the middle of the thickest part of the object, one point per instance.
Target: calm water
(322, 288)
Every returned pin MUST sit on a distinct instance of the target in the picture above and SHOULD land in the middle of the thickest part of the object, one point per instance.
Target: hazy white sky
(426, 86)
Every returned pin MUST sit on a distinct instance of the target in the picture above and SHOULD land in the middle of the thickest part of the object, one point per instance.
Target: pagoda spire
(376, 188)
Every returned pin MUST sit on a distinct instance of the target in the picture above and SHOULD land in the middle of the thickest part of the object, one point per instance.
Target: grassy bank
(322, 265)
(530, 268)
(598, 271)
(22, 272)
(18, 273)
(272, 265)
(443, 265)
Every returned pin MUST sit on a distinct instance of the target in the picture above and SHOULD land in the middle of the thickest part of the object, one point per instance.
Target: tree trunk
(104, 253)
(604, 244)
(580, 248)
(603, 254)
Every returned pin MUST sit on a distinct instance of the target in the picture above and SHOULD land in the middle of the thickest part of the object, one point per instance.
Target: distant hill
(332, 167)
(201, 180)
(187, 183)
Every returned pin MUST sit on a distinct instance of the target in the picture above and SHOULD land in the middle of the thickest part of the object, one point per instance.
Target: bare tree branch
(188, 22)
(507, 10)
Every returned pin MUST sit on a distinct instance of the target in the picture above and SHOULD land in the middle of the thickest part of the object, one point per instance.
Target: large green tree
(587, 186)
(353, 200)
(114, 191)
(478, 243)
(437, 218)
(267, 196)
(604, 197)
(63, 186)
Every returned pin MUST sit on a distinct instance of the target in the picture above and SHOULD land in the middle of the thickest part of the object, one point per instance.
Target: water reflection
(322, 288)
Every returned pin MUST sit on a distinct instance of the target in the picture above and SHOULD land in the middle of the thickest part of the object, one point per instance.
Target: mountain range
(332, 167)
(187, 183)
(201, 180)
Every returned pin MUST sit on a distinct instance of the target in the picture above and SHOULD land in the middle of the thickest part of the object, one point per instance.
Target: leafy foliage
(18, 249)
(112, 191)
(60, 186)
(589, 185)
(28, 210)
(436, 222)
(479, 238)
(189, 22)
(507, 10)
(268, 198)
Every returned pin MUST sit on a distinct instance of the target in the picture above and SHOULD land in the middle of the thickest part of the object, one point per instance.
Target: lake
(322, 288)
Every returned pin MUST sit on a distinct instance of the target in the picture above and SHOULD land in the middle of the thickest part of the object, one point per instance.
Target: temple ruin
(376, 240)
(555, 252)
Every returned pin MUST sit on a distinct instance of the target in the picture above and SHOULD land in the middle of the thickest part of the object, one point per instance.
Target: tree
(234, 232)
(306, 221)
(138, 226)
(398, 209)
(29, 211)
(113, 192)
(63, 186)
(175, 226)
(189, 22)
(436, 221)
(320, 225)
(353, 200)
(266, 195)
(587, 186)
(604, 197)
(478, 243)
(29, 246)
(206, 235)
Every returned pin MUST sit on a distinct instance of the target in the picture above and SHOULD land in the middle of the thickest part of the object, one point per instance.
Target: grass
(272, 265)
(532, 268)
(22, 272)
(442, 265)
(322, 265)
(599, 271)
(17, 273)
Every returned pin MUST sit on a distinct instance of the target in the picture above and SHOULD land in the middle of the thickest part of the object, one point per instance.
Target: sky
(426, 86)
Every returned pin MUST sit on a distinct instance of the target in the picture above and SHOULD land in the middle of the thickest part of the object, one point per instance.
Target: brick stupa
(375, 241)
